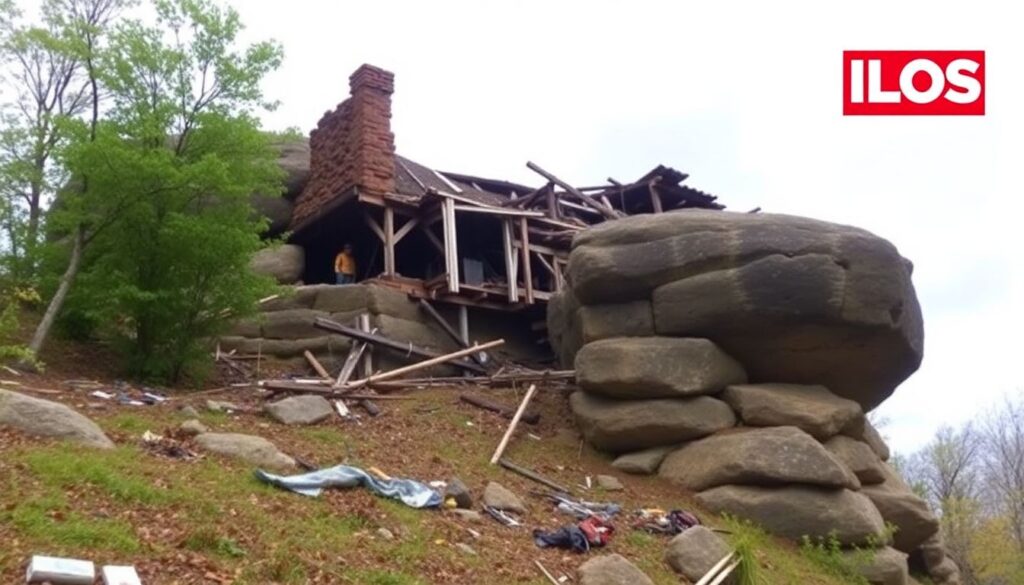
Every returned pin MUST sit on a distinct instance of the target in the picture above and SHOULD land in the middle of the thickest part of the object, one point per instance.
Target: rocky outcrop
(284, 263)
(933, 558)
(857, 457)
(619, 426)
(655, 367)
(248, 448)
(811, 408)
(793, 299)
(611, 569)
(794, 512)
(644, 462)
(44, 418)
(695, 551)
(760, 457)
(900, 506)
(300, 410)
(886, 566)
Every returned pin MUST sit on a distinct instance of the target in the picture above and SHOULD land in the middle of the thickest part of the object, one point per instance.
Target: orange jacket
(345, 263)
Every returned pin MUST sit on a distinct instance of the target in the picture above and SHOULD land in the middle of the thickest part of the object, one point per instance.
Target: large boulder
(632, 319)
(793, 299)
(366, 298)
(695, 551)
(933, 558)
(811, 408)
(886, 566)
(619, 426)
(858, 457)
(276, 209)
(286, 348)
(44, 418)
(655, 367)
(644, 462)
(248, 448)
(899, 505)
(611, 569)
(762, 457)
(564, 329)
(797, 511)
(300, 410)
(867, 433)
(292, 324)
(285, 263)
(293, 159)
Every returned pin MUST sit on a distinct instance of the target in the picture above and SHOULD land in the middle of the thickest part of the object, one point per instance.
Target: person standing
(345, 266)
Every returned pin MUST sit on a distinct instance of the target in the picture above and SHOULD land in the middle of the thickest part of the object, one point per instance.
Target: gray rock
(867, 433)
(285, 348)
(611, 569)
(499, 497)
(933, 557)
(293, 159)
(644, 462)
(762, 457)
(249, 448)
(797, 511)
(619, 426)
(466, 549)
(277, 210)
(189, 411)
(193, 427)
(222, 406)
(695, 551)
(793, 299)
(610, 483)
(300, 410)
(655, 367)
(292, 324)
(294, 297)
(43, 418)
(885, 566)
(858, 457)
(900, 506)
(565, 332)
(632, 319)
(458, 490)
(367, 298)
(468, 515)
(285, 263)
(413, 332)
(811, 408)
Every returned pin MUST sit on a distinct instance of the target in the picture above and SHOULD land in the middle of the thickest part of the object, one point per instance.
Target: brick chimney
(352, 146)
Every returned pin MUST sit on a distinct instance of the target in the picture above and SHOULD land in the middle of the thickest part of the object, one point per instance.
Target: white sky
(746, 97)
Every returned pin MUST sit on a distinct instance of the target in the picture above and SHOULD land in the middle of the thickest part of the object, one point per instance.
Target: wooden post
(559, 277)
(655, 198)
(464, 325)
(511, 268)
(317, 366)
(512, 425)
(389, 241)
(425, 364)
(451, 245)
(364, 325)
(552, 204)
(524, 236)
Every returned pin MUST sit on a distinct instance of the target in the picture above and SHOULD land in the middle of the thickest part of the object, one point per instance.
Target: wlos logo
(917, 83)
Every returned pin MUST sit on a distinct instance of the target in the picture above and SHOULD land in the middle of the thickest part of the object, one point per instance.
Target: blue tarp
(409, 492)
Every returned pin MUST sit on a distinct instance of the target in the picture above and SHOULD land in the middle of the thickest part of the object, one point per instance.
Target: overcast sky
(746, 97)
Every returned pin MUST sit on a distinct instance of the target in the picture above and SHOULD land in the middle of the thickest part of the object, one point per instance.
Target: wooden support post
(354, 355)
(524, 237)
(512, 425)
(451, 245)
(364, 326)
(559, 277)
(606, 211)
(552, 204)
(405, 229)
(374, 226)
(655, 198)
(464, 324)
(511, 268)
(389, 241)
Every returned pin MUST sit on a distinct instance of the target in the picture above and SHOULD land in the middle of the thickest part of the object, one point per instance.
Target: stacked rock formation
(736, 354)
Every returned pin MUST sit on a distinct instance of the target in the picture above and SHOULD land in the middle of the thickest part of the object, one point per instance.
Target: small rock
(466, 549)
(249, 448)
(499, 497)
(611, 569)
(189, 411)
(610, 483)
(644, 462)
(385, 534)
(43, 418)
(458, 490)
(695, 551)
(193, 427)
(221, 406)
(468, 515)
(300, 410)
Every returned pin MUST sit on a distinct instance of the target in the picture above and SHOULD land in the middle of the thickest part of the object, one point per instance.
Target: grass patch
(828, 555)
(206, 539)
(113, 472)
(376, 577)
(129, 423)
(48, 519)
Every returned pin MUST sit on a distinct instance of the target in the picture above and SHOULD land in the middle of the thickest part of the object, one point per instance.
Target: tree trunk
(57, 302)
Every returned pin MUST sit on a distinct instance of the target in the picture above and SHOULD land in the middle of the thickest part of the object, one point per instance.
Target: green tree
(170, 170)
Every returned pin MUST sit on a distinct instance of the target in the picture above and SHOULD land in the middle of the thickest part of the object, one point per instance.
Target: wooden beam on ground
(511, 268)
(530, 418)
(315, 363)
(380, 340)
(530, 474)
(524, 239)
(706, 579)
(349, 367)
(513, 424)
(441, 359)
(608, 212)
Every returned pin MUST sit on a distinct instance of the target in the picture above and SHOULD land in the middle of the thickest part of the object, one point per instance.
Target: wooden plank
(511, 268)
(553, 204)
(349, 367)
(389, 241)
(608, 212)
(513, 424)
(582, 208)
(655, 198)
(524, 238)
(364, 326)
(451, 244)
(530, 474)
(317, 366)
(544, 249)
(448, 357)
(559, 276)
(530, 418)
(715, 569)
(498, 211)
(546, 264)
(374, 226)
(405, 229)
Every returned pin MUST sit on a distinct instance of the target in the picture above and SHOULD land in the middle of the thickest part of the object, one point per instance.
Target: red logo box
(913, 83)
